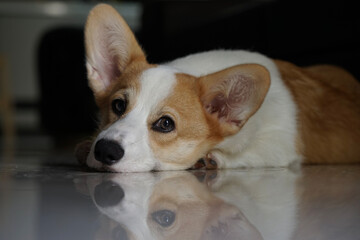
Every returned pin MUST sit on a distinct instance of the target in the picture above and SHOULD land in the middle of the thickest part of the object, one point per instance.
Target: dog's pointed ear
(233, 95)
(110, 47)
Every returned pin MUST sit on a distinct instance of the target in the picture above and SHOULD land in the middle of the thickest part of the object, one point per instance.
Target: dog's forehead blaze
(194, 131)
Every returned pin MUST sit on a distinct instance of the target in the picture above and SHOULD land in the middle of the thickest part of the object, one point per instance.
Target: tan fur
(329, 112)
(192, 125)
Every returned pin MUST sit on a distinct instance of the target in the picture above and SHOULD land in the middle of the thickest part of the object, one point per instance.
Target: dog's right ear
(110, 47)
(231, 96)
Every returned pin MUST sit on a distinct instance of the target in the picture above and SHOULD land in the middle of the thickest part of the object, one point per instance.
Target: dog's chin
(86, 158)
(107, 169)
(95, 165)
(119, 167)
(91, 163)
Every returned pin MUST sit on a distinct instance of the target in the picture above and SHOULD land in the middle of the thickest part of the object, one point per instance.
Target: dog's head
(154, 117)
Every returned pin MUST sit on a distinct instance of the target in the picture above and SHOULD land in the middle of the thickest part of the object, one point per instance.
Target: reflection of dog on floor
(203, 205)
(232, 108)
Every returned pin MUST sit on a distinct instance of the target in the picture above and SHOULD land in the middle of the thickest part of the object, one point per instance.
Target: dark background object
(301, 32)
(67, 105)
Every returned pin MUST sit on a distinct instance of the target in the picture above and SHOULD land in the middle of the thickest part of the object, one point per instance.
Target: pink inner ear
(107, 52)
(108, 68)
(232, 100)
(218, 105)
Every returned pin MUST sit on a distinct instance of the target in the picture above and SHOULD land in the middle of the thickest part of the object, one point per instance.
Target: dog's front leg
(274, 155)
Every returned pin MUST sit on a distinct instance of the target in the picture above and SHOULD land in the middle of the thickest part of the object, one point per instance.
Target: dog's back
(328, 112)
(337, 78)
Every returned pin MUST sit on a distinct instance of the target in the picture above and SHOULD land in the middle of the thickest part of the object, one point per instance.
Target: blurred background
(46, 106)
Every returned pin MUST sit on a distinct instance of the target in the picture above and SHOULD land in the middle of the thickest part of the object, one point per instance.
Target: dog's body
(237, 108)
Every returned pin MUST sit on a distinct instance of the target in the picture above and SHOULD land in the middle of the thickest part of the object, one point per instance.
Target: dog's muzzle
(108, 152)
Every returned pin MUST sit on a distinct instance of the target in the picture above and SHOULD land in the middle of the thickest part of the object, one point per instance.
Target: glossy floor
(64, 202)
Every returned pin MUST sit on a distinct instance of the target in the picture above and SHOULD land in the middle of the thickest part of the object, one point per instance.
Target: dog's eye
(164, 125)
(164, 218)
(119, 106)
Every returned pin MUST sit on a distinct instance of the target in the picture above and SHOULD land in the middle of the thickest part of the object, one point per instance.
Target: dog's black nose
(108, 194)
(108, 152)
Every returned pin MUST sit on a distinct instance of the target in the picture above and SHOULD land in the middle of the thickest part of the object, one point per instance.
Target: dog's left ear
(110, 47)
(233, 95)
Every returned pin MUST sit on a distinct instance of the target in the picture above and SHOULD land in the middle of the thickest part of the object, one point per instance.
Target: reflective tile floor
(62, 201)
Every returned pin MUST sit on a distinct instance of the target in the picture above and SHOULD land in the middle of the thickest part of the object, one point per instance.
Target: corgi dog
(231, 109)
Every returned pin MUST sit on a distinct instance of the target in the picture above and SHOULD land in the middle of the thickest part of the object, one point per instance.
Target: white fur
(131, 132)
(269, 136)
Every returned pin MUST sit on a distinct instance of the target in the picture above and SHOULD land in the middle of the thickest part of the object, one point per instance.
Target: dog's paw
(207, 163)
(82, 150)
